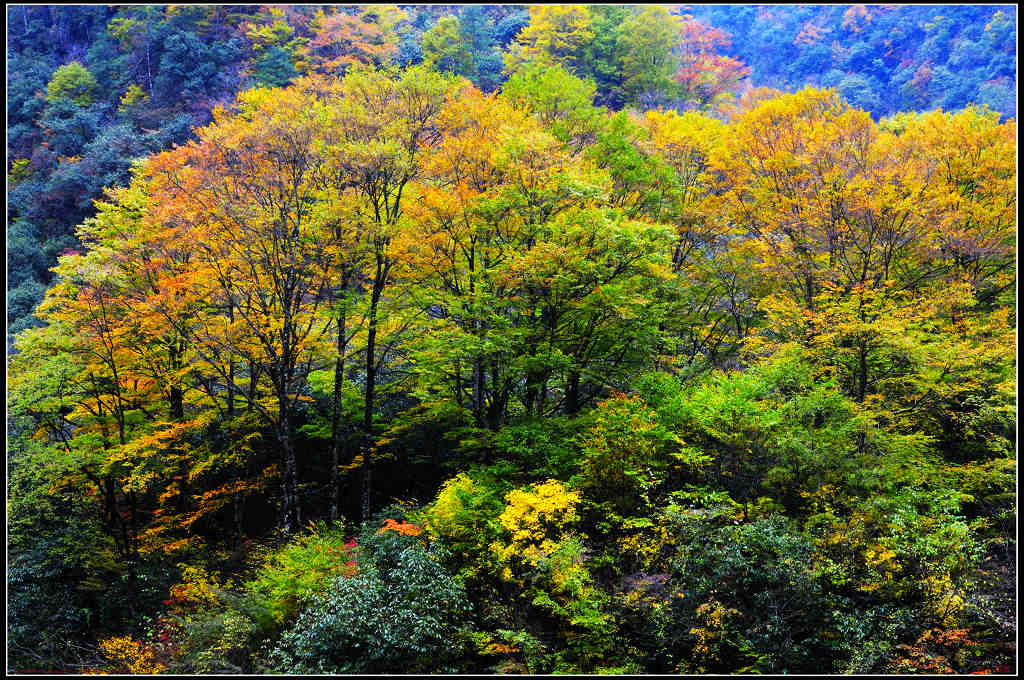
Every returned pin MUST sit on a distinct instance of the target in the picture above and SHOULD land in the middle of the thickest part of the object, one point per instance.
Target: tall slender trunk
(371, 379)
(862, 373)
(149, 67)
(478, 391)
(477, 377)
(177, 403)
(458, 383)
(532, 374)
(231, 369)
(253, 378)
(339, 377)
(542, 395)
(237, 505)
(289, 478)
(496, 409)
(176, 410)
(133, 516)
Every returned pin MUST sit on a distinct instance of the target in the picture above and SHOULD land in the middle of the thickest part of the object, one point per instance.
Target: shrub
(534, 519)
(464, 517)
(747, 599)
(401, 611)
(294, 576)
(624, 453)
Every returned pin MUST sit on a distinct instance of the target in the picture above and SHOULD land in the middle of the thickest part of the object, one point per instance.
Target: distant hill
(882, 58)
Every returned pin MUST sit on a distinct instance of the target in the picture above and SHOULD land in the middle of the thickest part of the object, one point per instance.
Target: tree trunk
(339, 377)
(371, 379)
(177, 404)
(289, 478)
(496, 410)
(149, 67)
(231, 370)
(478, 391)
(365, 494)
(253, 377)
(572, 393)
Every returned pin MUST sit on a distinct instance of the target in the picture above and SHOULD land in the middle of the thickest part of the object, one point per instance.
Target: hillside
(491, 340)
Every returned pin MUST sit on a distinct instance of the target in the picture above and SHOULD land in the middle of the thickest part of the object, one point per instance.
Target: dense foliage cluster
(388, 369)
(93, 88)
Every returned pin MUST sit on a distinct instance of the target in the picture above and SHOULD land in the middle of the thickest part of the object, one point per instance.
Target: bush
(400, 612)
(747, 599)
(294, 576)
(624, 454)
(464, 516)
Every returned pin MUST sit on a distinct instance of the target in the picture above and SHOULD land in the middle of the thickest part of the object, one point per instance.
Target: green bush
(747, 598)
(292, 577)
(400, 612)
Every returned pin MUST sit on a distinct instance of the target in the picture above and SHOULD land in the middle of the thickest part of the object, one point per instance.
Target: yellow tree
(352, 37)
(711, 296)
(556, 35)
(99, 398)
(815, 186)
(862, 234)
(966, 394)
(249, 196)
(381, 123)
(526, 270)
(975, 180)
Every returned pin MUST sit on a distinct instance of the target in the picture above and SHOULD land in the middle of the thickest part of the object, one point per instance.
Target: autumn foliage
(708, 396)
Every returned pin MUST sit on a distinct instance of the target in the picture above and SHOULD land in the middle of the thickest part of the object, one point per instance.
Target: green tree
(72, 81)
(275, 67)
(645, 47)
(478, 32)
(445, 48)
(560, 100)
(603, 59)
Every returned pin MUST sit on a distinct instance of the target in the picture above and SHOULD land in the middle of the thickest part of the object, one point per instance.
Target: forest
(505, 339)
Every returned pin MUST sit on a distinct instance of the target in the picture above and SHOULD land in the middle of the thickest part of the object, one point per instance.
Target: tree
(349, 38)
(711, 297)
(562, 102)
(556, 34)
(529, 276)
(478, 30)
(624, 456)
(445, 49)
(275, 68)
(706, 78)
(72, 81)
(852, 243)
(251, 191)
(138, 30)
(188, 67)
(603, 55)
(385, 121)
(645, 46)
